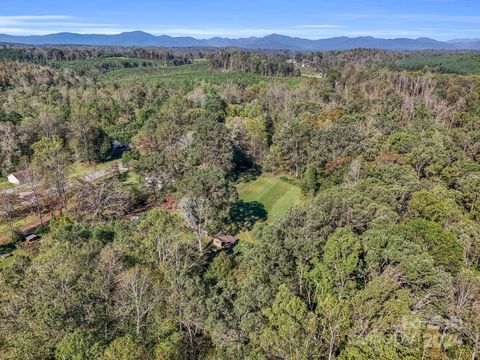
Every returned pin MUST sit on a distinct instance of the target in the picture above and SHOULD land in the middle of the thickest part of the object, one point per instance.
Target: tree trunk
(10, 227)
(38, 207)
(138, 326)
(331, 345)
(475, 347)
(198, 235)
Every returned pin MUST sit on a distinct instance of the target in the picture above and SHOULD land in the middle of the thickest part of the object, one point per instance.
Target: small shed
(222, 241)
(18, 178)
(30, 239)
(30, 243)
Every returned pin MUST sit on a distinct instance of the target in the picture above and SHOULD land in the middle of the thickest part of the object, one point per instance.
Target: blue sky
(439, 19)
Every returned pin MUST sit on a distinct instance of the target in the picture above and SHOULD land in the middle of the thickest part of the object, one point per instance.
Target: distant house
(18, 178)
(224, 241)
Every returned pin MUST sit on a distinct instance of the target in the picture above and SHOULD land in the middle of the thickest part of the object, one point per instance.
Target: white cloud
(22, 31)
(36, 17)
(399, 33)
(48, 24)
(320, 26)
(28, 19)
(402, 17)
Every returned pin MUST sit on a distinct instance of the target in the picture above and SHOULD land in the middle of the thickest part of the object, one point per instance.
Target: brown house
(224, 241)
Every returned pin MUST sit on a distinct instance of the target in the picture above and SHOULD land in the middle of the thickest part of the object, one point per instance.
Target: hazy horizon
(437, 19)
(244, 37)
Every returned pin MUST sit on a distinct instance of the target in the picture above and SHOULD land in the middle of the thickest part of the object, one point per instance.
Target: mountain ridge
(271, 42)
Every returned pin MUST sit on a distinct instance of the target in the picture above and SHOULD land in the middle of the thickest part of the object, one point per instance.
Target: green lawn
(8, 261)
(273, 193)
(4, 184)
(133, 179)
(78, 169)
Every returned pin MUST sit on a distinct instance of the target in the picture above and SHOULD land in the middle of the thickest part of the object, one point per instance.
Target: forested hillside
(352, 180)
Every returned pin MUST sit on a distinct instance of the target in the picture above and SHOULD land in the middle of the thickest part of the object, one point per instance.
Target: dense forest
(250, 62)
(378, 258)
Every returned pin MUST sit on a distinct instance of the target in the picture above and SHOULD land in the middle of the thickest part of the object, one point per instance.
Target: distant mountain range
(274, 41)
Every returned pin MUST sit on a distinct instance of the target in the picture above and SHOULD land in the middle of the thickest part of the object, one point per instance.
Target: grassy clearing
(78, 169)
(18, 224)
(274, 193)
(464, 64)
(9, 261)
(5, 185)
(188, 75)
(133, 179)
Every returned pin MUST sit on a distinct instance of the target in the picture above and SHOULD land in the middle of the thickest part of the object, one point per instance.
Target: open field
(464, 64)
(5, 185)
(8, 261)
(274, 194)
(190, 74)
(80, 170)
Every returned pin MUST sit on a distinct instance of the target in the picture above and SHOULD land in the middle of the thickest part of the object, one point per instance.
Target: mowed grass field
(276, 194)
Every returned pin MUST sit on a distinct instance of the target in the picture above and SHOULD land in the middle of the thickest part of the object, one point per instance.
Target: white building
(18, 178)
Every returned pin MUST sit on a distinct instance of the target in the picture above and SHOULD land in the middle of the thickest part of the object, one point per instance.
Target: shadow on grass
(7, 248)
(246, 214)
(250, 175)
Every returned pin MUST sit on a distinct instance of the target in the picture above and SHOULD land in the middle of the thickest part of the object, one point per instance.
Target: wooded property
(206, 203)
